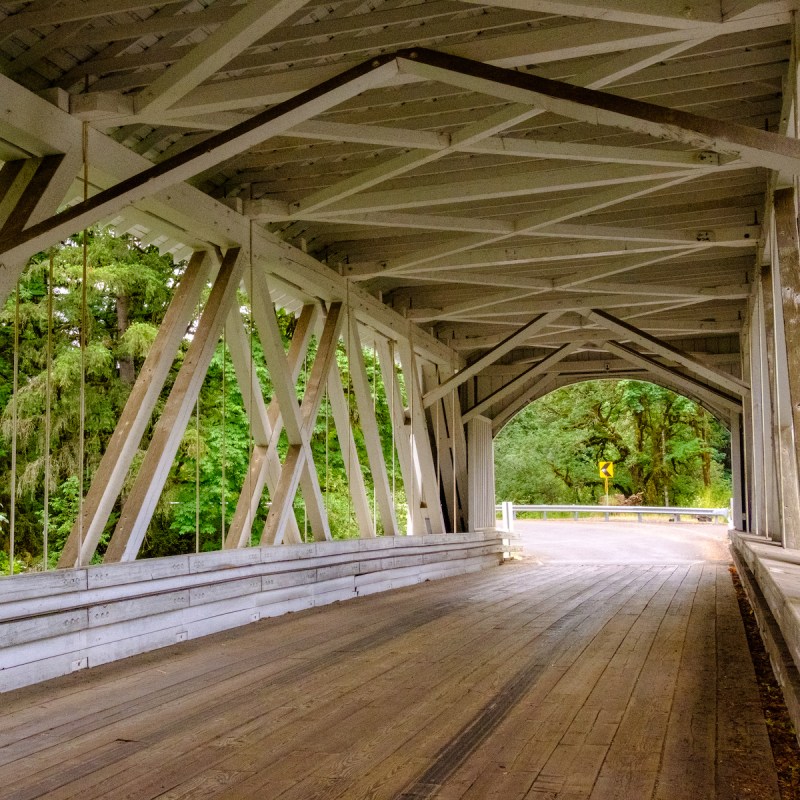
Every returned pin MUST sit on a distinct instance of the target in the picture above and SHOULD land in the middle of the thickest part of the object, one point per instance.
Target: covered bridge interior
(499, 196)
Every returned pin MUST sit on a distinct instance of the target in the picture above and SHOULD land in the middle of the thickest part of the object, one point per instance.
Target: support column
(747, 427)
(420, 443)
(369, 427)
(737, 473)
(413, 490)
(355, 477)
(787, 301)
(771, 464)
(481, 474)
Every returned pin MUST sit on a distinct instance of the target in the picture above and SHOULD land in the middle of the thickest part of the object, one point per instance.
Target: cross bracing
(501, 197)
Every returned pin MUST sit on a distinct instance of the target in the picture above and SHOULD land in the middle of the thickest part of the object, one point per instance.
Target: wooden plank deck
(529, 681)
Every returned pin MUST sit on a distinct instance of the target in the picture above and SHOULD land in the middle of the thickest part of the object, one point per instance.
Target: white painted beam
(518, 383)
(669, 14)
(124, 443)
(141, 501)
(196, 159)
(759, 148)
(369, 428)
(340, 410)
(686, 383)
(508, 344)
(668, 351)
(254, 20)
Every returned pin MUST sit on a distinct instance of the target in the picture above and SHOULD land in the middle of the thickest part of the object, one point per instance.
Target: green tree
(664, 446)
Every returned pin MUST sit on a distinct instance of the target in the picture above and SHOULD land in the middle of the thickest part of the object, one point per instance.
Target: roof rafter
(668, 14)
(256, 18)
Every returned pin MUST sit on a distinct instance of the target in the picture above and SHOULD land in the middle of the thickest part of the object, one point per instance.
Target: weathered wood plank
(540, 681)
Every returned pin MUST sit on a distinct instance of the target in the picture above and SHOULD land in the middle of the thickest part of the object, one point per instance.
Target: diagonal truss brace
(299, 423)
(508, 344)
(265, 466)
(619, 327)
(141, 502)
(110, 475)
(521, 380)
(369, 427)
(686, 383)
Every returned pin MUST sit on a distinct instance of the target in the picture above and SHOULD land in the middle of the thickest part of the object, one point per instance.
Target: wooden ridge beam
(667, 14)
(35, 126)
(198, 158)
(684, 382)
(252, 21)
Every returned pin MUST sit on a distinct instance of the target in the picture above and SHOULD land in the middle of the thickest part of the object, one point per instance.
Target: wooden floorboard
(570, 681)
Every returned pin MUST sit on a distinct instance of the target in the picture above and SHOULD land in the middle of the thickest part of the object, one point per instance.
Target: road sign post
(606, 469)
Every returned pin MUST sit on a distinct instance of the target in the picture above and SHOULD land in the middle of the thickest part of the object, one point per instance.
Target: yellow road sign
(606, 469)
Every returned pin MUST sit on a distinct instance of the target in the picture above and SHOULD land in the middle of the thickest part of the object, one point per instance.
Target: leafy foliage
(663, 445)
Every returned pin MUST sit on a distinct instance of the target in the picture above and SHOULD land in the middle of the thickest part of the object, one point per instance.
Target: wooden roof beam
(668, 351)
(256, 18)
(667, 14)
(756, 147)
(506, 346)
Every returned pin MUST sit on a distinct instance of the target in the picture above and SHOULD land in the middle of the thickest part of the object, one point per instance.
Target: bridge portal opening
(666, 449)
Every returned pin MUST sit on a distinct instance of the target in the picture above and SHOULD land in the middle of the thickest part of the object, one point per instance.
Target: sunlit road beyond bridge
(609, 662)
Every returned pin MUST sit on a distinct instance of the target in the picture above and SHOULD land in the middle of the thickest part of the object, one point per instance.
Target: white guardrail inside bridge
(509, 512)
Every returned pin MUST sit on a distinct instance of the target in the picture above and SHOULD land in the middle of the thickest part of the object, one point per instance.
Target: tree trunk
(127, 373)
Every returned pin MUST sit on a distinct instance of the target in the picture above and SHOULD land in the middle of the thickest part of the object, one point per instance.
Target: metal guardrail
(510, 510)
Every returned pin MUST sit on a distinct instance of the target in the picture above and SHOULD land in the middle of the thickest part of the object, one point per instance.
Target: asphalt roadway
(622, 542)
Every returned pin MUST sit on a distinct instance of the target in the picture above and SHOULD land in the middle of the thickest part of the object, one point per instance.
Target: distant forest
(664, 447)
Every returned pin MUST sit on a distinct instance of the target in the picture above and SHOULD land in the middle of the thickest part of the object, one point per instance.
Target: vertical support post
(787, 302)
(355, 477)
(401, 441)
(422, 457)
(772, 482)
(508, 515)
(748, 444)
(480, 468)
(369, 427)
(737, 473)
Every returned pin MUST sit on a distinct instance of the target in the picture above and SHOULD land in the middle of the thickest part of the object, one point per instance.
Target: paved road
(627, 542)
